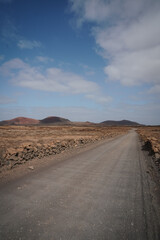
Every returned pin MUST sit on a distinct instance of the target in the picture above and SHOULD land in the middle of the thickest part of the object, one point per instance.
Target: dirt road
(102, 193)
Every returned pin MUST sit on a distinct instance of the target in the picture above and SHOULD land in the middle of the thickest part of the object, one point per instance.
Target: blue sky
(90, 60)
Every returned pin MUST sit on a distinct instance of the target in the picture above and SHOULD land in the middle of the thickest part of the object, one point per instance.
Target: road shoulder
(36, 165)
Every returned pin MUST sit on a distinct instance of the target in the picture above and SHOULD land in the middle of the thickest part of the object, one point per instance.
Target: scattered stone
(154, 139)
(150, 136)
(39, 147)
(31, 167)
(157, 155)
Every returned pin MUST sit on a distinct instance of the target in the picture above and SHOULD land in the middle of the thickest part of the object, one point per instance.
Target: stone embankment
(152, 145)
(14, 156)
(20, 144)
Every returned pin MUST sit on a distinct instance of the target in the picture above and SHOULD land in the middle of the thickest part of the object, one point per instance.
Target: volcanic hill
(119, 123)
(52, 120)
(31, 121)
(20, 121)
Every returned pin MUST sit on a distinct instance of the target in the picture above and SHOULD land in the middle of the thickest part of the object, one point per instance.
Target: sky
(91, 60)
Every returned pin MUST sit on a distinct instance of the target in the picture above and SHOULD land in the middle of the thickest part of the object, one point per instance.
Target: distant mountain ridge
(31, 121)
(119, 123)
(52, 120)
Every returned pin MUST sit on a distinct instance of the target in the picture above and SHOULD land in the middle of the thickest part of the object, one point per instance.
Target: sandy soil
(19, 144)
(14, 136)
(104, 192)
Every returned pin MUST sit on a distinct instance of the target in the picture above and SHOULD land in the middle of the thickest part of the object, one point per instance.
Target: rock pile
(14, 156)
(151, 144)
(19, 144)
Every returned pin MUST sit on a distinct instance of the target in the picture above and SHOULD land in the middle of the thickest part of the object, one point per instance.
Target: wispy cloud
(128, 35)
(8, 31)
(155, 90)
(10, 35)
(88, 70)
(7, 68)
(52, 80)
(26, 44)
(43, 59)
(99, 98)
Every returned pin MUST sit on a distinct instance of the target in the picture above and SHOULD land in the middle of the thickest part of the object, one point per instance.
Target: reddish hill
(53, 120)
(20, 121)
(31, 121)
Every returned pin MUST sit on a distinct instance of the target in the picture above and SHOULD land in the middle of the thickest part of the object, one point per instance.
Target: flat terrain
(19, 144)
(105, 192)
(14, 136)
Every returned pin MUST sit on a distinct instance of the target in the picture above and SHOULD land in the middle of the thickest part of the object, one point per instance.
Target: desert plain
(54, 176)
(20, 144)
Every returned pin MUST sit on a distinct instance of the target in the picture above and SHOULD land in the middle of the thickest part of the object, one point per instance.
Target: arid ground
(19, 144)
(105, 189)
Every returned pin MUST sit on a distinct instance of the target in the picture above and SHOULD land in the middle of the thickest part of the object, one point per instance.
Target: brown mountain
(20, 121)
(31, 121)
(53, 120)
(119, 123)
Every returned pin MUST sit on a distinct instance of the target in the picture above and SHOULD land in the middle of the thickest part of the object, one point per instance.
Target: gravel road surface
(101, 193)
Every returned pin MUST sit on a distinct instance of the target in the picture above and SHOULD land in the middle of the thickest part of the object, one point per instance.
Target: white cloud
(99, 98)
(128, 34)
(99, 11)
(10, 35)
(155, 90)
(44, 59)
(134, 68)
(52, 80)
(26, 44)
(7, 68)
